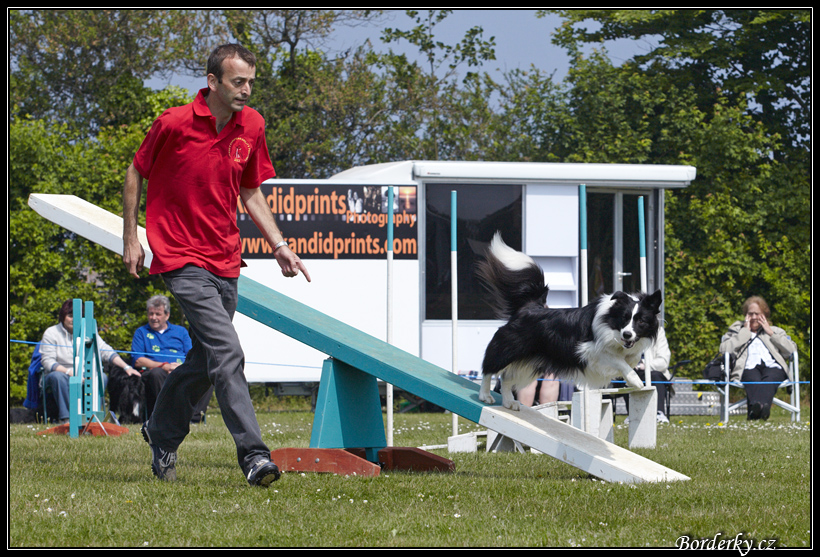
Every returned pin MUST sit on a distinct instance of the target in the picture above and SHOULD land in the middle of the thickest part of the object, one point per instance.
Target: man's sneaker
(163, 463)
(263, 473)
(661, 418)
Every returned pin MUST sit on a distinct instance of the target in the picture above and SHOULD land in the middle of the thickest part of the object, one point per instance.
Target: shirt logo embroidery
(239, 150)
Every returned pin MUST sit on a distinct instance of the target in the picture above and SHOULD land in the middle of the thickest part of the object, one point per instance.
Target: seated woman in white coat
(57, 357)
(761, 351)
(656, 360)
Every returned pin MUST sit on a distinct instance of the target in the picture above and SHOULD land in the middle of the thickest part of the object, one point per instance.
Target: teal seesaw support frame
(348, 411)
(86, 388)
(348, 416)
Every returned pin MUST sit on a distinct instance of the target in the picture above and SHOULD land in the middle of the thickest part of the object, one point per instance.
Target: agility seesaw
(348, 428)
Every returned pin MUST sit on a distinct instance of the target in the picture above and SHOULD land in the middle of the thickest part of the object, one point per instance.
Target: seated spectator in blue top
(158, 347)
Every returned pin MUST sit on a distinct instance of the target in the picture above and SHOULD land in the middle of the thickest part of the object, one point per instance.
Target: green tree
(763, 56)
(87, 67)
(443, 62)
(321, 111)
(699, 98)
(48, 264)
(328, 113)
(533, 120)
(280, 34)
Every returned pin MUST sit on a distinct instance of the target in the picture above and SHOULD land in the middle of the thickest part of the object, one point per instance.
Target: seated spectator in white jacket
(57, 354)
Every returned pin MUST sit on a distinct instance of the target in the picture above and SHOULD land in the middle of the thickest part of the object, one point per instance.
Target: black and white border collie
(590, 346)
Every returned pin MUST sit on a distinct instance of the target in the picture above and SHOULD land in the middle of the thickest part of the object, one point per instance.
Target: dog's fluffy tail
(512, 278)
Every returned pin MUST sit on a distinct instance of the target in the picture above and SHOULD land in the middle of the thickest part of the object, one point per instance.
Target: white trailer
(338, 228)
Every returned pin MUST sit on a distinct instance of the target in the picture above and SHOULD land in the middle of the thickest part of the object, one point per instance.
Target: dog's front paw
(633, 380)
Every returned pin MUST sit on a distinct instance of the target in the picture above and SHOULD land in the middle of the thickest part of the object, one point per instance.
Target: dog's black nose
(627, 335)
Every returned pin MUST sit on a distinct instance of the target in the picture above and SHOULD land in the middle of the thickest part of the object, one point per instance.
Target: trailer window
(481, 211)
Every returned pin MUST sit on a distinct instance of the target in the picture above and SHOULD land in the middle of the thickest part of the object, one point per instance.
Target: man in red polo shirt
(198, 159)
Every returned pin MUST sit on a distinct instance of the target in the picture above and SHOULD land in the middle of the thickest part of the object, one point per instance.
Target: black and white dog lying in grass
(126, 394)
(591, 345)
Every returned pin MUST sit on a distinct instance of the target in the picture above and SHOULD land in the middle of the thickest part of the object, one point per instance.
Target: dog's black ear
(654, 301)
(620, 296)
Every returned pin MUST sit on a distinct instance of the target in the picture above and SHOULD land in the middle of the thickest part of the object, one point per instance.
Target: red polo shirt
(194, 176)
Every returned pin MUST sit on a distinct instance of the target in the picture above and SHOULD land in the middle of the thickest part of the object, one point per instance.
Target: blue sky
(521, 40)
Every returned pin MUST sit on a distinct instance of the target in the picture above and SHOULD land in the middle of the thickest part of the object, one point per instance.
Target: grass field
(750, 482)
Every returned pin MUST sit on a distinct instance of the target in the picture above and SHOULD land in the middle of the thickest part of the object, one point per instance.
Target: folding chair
(35, 395)
(673, 371)
(792, 384)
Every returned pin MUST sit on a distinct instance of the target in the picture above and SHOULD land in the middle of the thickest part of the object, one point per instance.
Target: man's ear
(212, 82)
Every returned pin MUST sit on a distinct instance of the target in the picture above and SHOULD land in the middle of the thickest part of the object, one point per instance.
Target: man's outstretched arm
(133, 255)
(259, 210)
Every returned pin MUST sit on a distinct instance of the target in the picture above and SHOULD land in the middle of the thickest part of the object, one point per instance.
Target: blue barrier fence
(703, 382)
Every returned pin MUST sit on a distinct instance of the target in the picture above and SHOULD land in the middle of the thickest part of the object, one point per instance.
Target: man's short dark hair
(225, 51)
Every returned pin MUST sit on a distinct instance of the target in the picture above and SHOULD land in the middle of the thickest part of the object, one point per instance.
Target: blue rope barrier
(154, 354)
(690, 382)
(705, 382)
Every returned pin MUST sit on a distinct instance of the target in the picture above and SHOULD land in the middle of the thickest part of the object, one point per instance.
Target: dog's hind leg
(514, 377)
(484, 394)
(507, 397)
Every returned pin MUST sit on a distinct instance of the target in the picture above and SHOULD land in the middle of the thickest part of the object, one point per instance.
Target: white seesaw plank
(575, 447)
(86, 219)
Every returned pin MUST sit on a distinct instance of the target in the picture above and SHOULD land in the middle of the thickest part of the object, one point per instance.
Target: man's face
(157, 318)
(232, 92)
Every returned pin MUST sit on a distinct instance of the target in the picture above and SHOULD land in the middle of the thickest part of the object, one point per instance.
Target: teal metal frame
(86, 388)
